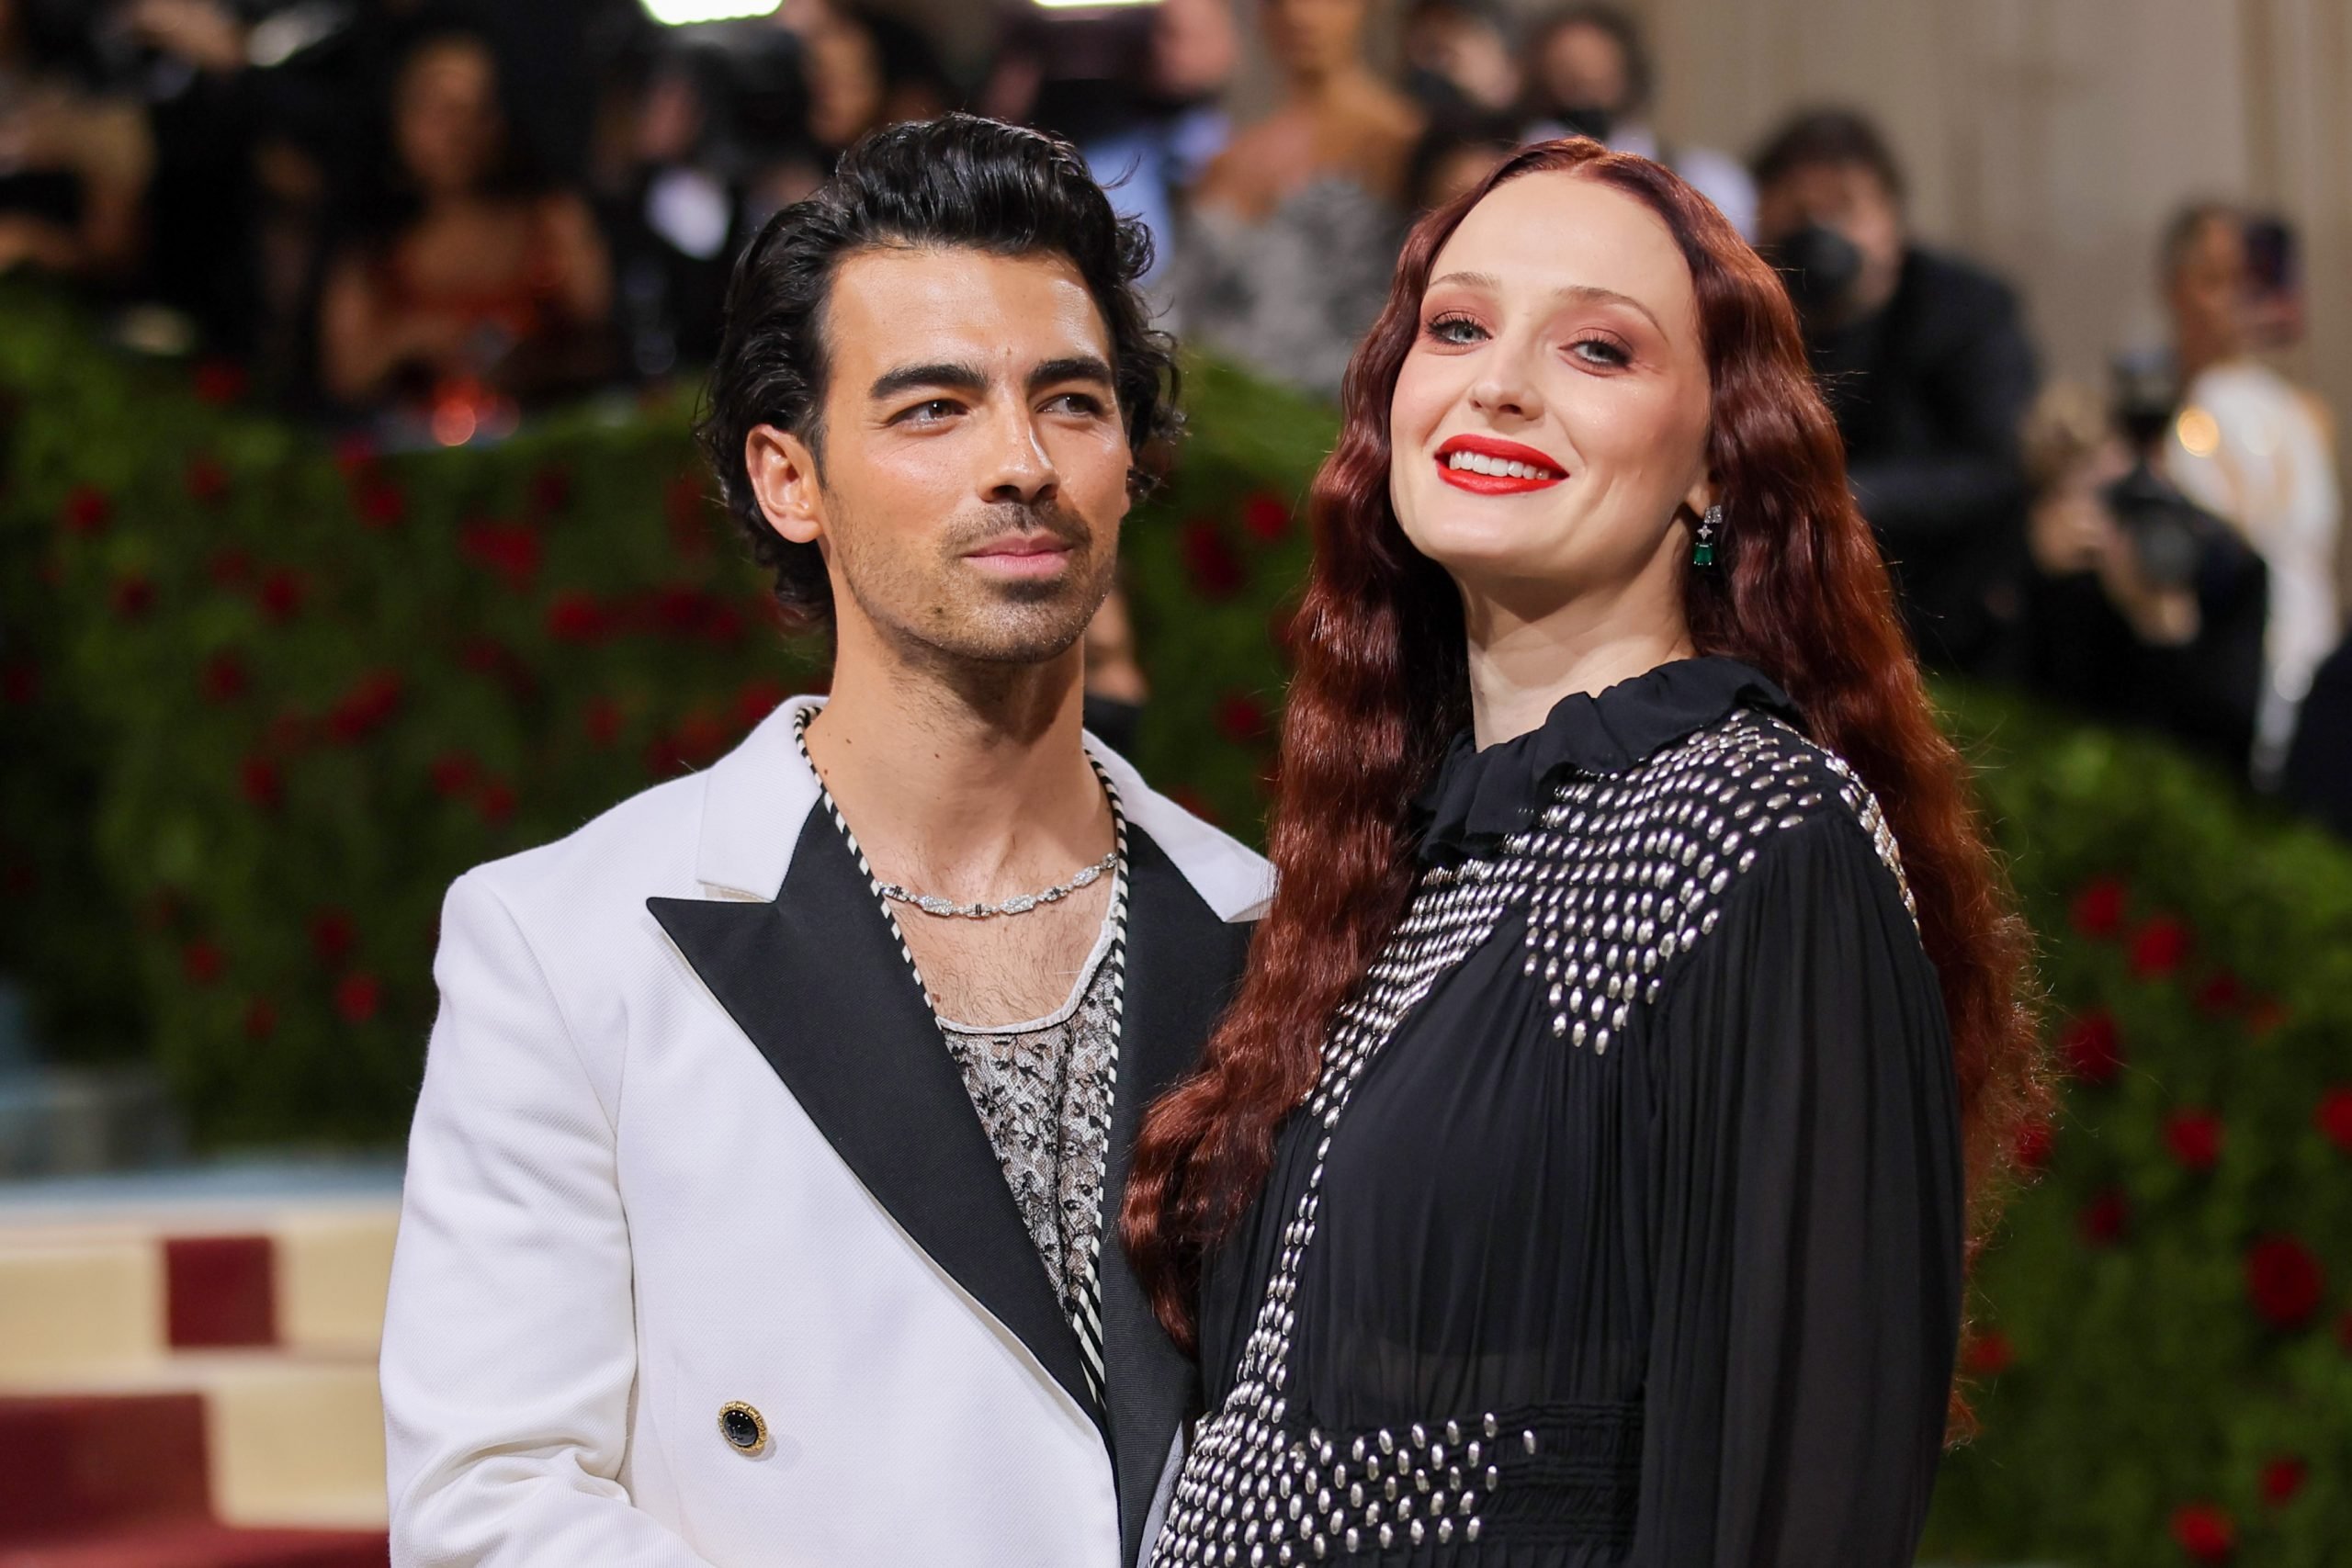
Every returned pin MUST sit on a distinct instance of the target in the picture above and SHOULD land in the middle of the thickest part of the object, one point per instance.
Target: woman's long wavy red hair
(1382, 686)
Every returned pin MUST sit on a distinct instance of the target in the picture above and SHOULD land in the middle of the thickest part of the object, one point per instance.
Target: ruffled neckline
(1479, 798)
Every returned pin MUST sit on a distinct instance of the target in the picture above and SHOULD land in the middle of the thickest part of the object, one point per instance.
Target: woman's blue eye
(1455, 329)
(1600, 351)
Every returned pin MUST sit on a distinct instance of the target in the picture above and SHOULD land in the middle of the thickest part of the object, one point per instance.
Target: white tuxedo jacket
(689, 1138)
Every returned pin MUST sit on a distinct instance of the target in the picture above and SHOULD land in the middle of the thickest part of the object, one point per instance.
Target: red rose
(2195, 1138)
(282, 592)
(2092, 1048)
(220, 381)
(380, 503)
(550, 489)
(2282, 1478)
(700, 738)
(367, 708)
(2031, 1144)
(454, 774)
(2334, 1117)
(87, 510)
(2098, 908)
(2283, 1281)
(223, 678)
(354, 454)
(133, 597)
(207, 481)
(2106, 1217)
(2222, 993)
(261, 1019)
(1241, 718)
(723, 624)
(1266, 516)
(202, 962)
(333, 936)
(496, 803)
(1989, 1354)
(358, 996)
(2204, 1532)
(577, 618)
(1196, 802)
(507, 550)
(757, 698)
(680, 609)
(20, 682)
(1209, 561)
(258, 781)
(2159, 948)
(601, 721)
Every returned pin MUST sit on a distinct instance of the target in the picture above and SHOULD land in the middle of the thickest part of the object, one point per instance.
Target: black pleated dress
(1624, 1225)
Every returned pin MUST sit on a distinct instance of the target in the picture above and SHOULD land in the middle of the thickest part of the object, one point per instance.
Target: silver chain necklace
(947, 908)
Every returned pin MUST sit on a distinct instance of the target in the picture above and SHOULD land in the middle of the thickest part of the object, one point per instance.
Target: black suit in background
(2319, 769)
(1929, 393)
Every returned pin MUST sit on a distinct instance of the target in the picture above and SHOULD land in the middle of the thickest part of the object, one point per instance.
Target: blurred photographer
(76, 155)
(2252, 445)
(1925, 362)
(2142, 608)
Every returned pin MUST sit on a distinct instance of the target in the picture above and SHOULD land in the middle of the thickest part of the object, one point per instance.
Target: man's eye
(929, 413)
(1084, 403)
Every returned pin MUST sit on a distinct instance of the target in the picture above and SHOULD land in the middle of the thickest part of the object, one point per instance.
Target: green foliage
(2167, 1362)
(281, 694)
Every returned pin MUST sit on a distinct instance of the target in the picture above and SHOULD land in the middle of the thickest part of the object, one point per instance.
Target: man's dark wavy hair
(958, 182)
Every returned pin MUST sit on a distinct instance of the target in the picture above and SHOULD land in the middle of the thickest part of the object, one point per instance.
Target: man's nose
(1020, 468)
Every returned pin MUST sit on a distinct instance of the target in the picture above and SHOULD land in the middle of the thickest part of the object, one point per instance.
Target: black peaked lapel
(818, 982)
(1183, 964)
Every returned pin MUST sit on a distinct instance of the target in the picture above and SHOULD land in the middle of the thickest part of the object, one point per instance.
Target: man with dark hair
(1925, 362)
(761, 1202)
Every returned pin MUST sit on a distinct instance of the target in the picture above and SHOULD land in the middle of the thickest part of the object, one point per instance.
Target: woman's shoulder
(1752, 789)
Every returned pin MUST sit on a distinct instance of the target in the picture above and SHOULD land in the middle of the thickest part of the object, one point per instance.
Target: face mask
(1588, 120)
(1820, 266)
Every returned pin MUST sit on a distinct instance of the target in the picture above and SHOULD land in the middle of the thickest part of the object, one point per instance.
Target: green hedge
(281, 693)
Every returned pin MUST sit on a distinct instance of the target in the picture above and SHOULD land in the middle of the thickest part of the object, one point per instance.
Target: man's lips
(1533, 470)
(1024, 555)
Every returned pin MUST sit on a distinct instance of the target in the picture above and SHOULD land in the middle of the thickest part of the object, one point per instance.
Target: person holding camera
(2253, 447)
(1925, 363)
(2142, 607)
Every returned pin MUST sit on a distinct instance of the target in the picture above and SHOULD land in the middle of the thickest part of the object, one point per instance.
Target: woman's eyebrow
(1590, 293)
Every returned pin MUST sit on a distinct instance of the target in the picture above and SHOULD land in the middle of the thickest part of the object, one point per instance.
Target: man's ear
(783, 479)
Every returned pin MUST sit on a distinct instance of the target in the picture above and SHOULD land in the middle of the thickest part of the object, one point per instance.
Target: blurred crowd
(424, 217)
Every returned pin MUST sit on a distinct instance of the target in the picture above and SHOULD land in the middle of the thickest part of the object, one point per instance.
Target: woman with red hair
(1585, 1171)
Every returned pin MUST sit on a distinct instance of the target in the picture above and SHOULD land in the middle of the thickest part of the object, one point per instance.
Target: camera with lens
(2169, 534)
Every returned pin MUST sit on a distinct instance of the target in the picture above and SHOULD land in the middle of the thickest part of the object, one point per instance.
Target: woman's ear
(783, 479)
(1701, 495)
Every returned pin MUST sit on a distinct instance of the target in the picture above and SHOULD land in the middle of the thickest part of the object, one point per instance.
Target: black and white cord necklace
(1086, 1313)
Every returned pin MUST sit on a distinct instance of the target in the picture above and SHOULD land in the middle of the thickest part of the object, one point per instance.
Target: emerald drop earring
(1704, 555)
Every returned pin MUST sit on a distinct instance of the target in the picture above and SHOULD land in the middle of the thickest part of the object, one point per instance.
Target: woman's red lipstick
(1546, 473)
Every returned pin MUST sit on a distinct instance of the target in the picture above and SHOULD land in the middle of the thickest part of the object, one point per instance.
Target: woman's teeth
(1479, 463)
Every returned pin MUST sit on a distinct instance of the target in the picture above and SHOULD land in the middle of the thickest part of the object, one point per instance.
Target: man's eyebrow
(1075, 368)
(944, 376)
(1590, 293)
